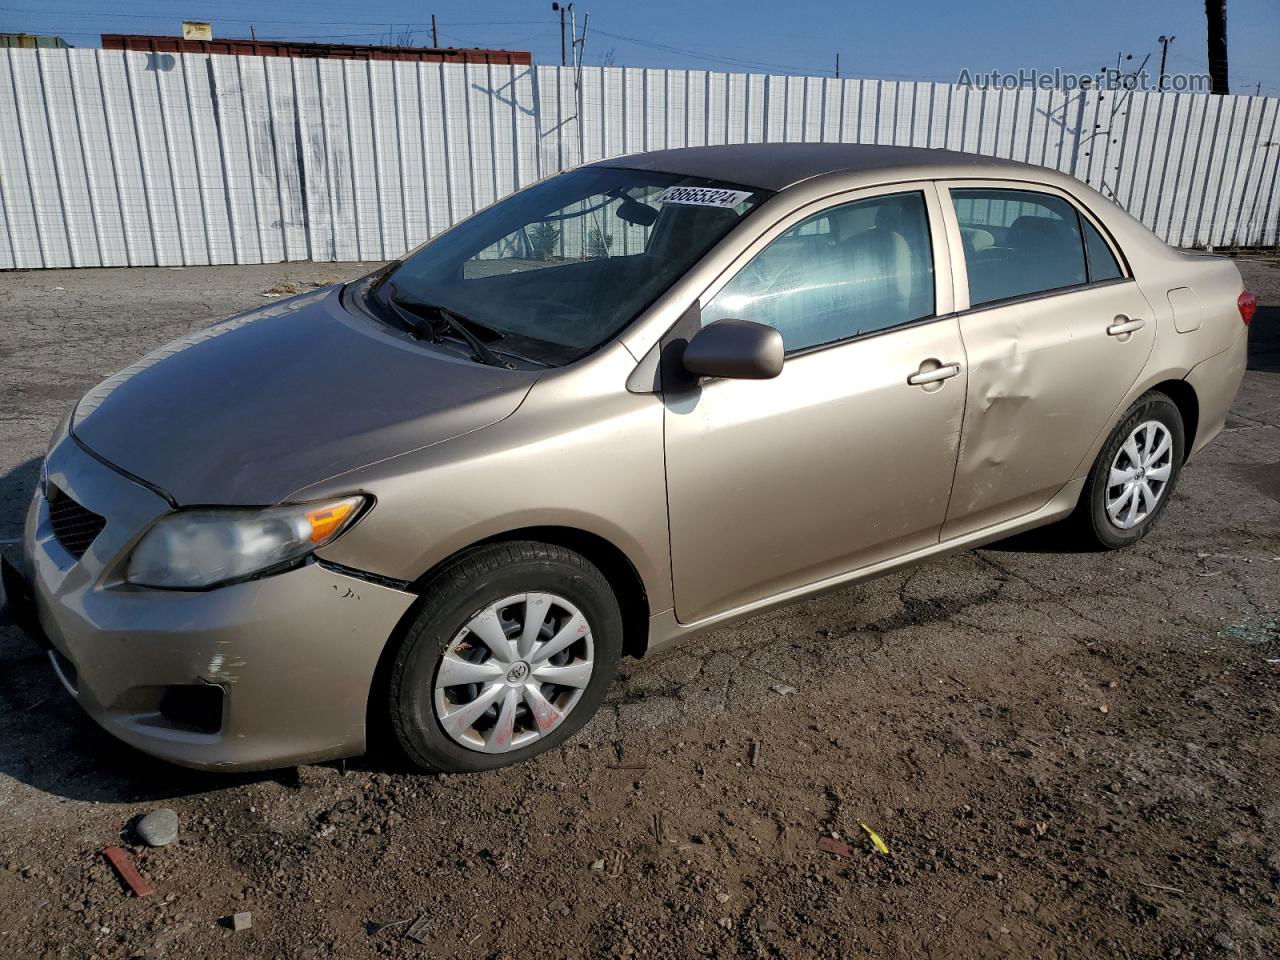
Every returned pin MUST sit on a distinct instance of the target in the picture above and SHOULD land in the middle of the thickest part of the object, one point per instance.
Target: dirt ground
(1067, 754)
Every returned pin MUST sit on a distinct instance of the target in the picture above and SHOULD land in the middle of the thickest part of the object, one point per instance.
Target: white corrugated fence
(116, 158)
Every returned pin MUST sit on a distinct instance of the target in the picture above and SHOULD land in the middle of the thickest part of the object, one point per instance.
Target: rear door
(1056, 332)
(847, 457)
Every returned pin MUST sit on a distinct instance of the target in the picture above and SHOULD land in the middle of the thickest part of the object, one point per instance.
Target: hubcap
(514, 672)
(1139, 474)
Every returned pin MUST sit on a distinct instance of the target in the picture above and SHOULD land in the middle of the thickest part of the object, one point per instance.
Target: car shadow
(1264, 340)
(46, 741)
(1056, 538)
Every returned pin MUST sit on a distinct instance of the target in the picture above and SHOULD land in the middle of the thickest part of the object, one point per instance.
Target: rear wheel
(1134, 475)
(510, 655)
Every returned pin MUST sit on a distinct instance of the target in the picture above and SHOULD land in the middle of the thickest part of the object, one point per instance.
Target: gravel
(956, 709)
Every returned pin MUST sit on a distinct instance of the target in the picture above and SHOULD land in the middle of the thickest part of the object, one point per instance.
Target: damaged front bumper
(264, 673)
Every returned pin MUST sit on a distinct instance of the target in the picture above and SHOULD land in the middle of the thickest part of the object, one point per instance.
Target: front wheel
(511, 653)
(1135, 474)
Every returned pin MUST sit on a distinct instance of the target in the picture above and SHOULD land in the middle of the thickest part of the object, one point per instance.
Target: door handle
(1124, 325)
(936, 375)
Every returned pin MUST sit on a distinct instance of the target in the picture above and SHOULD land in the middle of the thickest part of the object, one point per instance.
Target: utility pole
(573, 38)
(435, 36)
(253, 34)
(564, 55)
(837, 65)
(582, 49)
(1164, 55)
(1215, 12)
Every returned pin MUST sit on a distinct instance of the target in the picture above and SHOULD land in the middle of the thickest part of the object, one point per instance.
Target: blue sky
(897, 40)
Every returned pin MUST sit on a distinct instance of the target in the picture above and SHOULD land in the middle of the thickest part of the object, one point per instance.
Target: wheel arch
(1184, 398)
(613, 563)
(1183, 395)
(617, 567)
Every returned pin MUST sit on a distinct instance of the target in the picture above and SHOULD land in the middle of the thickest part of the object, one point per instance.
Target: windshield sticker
(704, 196)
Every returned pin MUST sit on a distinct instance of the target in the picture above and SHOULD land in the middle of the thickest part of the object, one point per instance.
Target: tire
(1093, 519)
(495, 589)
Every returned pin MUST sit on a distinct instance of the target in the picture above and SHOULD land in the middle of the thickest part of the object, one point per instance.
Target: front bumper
(292, 655)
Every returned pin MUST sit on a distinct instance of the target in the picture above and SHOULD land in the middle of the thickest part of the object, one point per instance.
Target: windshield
(557, 269)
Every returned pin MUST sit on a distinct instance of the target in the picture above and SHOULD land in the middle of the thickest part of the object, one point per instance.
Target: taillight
(1248, 305)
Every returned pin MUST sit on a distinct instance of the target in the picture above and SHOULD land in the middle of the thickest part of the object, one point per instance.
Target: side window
(1102, 262)
(852, 269)
(1017, 242)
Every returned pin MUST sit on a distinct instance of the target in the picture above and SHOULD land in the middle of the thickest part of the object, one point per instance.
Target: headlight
(200, 548)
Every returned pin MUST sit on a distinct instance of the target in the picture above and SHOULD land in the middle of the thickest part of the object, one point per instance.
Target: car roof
(775, 166)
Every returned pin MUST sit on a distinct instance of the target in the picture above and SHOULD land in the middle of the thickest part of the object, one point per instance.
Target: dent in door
(1000, 402)
(1044, 379)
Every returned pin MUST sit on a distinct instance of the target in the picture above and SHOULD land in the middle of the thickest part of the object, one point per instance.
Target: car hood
(252, 409)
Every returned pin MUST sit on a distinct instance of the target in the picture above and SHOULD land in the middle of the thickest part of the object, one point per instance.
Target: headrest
(1029, 233)
(976, 238)
(881, 263)
(892, 215)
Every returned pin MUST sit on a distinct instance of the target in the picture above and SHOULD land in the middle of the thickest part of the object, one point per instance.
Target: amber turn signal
(329, 519)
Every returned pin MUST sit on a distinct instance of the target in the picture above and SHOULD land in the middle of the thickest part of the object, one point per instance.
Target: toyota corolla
(637, 400)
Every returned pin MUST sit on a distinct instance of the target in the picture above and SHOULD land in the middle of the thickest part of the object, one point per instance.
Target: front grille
(73, 526)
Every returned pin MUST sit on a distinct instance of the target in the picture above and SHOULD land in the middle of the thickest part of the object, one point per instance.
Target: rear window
(1102, 262)
(1018, 242)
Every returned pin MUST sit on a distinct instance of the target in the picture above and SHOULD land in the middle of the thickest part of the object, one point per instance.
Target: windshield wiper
(416, 313)
(380, 276)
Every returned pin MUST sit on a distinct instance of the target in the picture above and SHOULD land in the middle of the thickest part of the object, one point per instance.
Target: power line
(699, 55)
(1235, 74)
(383, 27)
(294, 21)
(793, 68)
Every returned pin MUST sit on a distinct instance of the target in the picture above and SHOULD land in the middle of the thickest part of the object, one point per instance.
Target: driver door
(847, 457)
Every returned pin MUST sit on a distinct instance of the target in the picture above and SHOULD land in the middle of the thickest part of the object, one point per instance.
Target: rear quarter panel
(1158, 269)
(1204, 289)
(1207, 288)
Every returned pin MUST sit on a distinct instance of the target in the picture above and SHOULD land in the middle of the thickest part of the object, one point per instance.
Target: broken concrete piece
(832, 845)
(127, 872)
(420, 930)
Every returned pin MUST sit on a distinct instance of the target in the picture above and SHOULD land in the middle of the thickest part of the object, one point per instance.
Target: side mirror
(735, 350)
